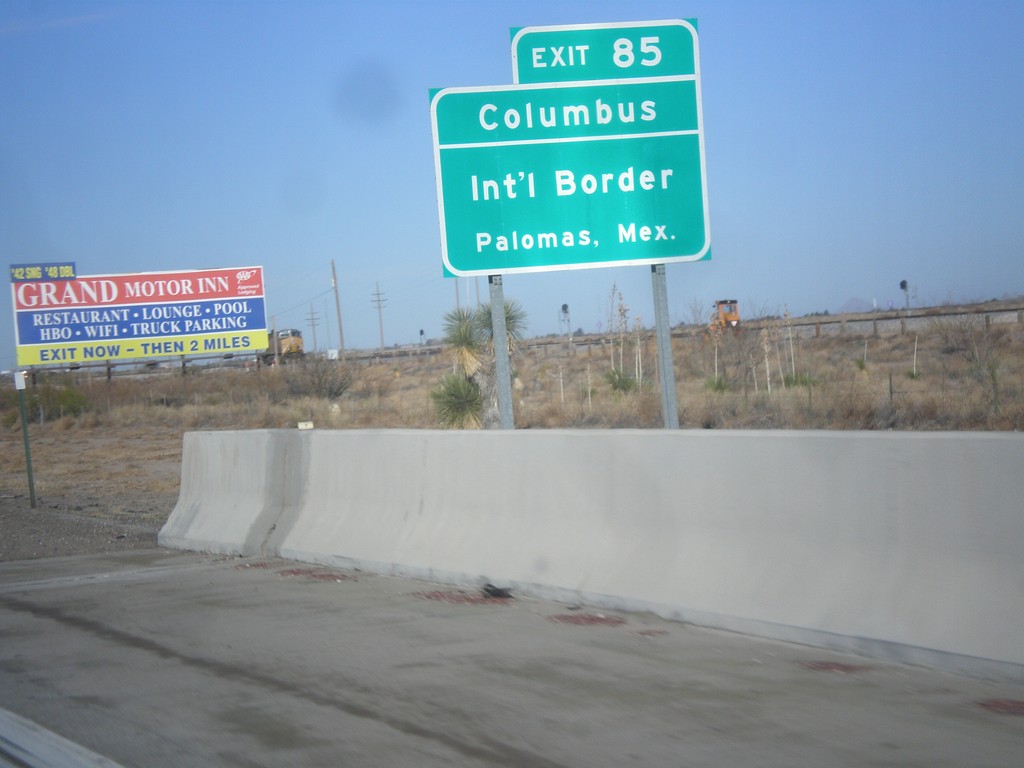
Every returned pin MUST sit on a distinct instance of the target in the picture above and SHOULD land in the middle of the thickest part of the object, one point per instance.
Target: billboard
(82, 319)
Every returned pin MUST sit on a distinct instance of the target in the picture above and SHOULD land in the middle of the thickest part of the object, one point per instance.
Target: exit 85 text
(625, 53)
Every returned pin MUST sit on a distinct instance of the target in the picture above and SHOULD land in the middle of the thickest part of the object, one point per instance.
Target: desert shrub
(642, 411)
(166, 400)
(318, 377)
(799, 380)
(620, 381)
(89, 420)
(716, 384)
(374, 382)
(968, 336)
(708, 417)
(9, 409)
(458, 402)
(55, 402)
(542, 415)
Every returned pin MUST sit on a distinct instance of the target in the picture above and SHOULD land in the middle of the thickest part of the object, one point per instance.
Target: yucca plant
(620, 381)
(515, 324)
(470, 337)
(462, 335)
(458, 402)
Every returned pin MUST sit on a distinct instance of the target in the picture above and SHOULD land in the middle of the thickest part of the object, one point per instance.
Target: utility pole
(337, 306)
(313, 318)
(379, 300)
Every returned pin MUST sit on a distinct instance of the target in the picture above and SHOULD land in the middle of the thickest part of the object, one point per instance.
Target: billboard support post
(19, 384)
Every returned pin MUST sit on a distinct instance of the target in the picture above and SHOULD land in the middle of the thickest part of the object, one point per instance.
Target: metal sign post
(502, 369)
(19, 384)
(662, 330)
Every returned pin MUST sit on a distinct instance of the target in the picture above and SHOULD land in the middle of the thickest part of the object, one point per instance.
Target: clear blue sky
(850, 145)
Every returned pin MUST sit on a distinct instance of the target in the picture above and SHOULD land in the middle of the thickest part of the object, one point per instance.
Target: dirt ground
(96, 491)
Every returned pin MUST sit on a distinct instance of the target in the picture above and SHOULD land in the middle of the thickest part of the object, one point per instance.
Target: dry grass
(86, 468)
(840, 382)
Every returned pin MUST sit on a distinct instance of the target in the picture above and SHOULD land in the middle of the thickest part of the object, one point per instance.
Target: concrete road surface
(176, 659)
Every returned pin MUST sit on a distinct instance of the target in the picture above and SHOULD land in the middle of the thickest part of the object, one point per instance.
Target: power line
(313, 319)
(379, 300)
(303, 302)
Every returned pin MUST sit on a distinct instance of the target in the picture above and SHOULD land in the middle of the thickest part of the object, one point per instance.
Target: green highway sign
(604, 51)
(606, 169)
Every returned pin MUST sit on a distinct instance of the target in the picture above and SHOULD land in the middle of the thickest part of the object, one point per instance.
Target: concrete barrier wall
(906, 545)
